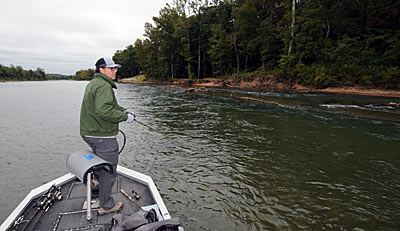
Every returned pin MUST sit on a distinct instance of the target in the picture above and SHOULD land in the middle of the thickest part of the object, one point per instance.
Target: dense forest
(318, 43)
(17, 73)
(13, 73)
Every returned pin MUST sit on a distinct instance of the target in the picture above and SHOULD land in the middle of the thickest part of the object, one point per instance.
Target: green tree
(84, 74)
(140, 54)
(127, 59)
(220, 49)
(331, 42)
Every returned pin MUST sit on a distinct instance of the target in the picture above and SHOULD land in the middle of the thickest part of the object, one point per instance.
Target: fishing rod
(133, 201)
(43, 204)
(141, 123)
(150, 215)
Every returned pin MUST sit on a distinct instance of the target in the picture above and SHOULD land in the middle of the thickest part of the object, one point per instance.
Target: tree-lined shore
(17, 73)
(13, 73)
(316, 43)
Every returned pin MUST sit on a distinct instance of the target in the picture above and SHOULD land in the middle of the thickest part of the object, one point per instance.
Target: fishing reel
(48, 198)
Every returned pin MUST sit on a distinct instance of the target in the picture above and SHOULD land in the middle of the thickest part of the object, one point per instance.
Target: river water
(222, 160)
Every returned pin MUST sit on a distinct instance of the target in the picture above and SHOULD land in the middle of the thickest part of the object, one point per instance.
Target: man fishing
(99, 120)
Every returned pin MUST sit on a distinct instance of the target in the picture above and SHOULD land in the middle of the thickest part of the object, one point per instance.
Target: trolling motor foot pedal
(83, 164)
(95, 205)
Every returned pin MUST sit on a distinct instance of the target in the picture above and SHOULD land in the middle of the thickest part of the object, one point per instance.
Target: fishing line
(141, 123)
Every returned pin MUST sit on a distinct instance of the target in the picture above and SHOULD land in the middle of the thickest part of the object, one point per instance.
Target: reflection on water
(221, 161)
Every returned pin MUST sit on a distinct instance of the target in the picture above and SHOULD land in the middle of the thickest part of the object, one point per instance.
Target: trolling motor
(83, 164)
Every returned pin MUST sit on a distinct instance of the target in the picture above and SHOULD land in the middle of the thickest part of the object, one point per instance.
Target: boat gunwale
(145, 179)
(36, 192)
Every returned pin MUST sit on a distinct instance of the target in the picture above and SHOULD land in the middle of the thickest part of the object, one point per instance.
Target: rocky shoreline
(270, 83)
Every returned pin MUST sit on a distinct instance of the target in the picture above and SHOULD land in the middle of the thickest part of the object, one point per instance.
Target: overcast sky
(65, 36)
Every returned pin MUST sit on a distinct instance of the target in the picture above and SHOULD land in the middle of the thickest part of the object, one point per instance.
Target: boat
(62, 204)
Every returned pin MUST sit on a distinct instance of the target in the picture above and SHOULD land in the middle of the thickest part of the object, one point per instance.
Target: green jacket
(100, 112)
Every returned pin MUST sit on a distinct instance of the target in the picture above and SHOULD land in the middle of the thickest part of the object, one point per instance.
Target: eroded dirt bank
(270, 83)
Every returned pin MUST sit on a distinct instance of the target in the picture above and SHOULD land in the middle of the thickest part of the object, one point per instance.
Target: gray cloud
(63, 36)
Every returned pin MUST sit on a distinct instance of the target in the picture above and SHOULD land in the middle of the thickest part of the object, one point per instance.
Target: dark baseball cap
(106, 62)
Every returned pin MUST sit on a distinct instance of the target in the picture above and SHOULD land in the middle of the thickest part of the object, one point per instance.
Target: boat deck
(70, 212)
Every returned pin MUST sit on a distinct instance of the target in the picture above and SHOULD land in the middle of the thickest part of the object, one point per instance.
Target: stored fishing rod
(43, 204)
(133, 201)
(150, 215)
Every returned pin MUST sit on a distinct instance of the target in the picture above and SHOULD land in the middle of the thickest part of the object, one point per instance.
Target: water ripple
(221, 162)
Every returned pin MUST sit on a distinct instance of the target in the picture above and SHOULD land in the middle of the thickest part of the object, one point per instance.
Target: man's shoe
(116, 208)
(95, 184)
